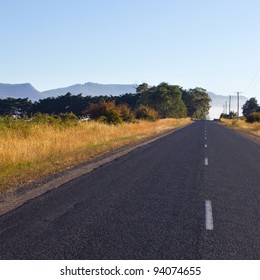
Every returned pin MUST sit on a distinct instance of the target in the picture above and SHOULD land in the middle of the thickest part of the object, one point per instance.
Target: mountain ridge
(92, 89)
(23, 90)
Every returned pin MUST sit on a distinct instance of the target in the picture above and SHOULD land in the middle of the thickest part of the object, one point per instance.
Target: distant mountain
(19, 91)
(218, 101)
(28, 91)
(92, 89)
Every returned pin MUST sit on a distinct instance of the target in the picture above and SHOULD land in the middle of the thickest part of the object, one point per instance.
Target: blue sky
(55, 43)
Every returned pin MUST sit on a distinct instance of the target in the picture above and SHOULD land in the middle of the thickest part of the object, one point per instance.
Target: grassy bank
(250, 128)
(33, 150)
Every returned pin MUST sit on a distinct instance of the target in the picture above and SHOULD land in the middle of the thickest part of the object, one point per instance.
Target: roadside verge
(16, 197)
(243, 131)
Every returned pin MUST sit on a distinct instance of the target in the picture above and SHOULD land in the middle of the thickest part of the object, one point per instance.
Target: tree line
(250, 110)
(162, 101)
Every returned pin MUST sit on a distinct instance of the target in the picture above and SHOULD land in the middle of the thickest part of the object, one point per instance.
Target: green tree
(142, 88)
(166, 100)
(197, 102)
(131, 99)
(250, 106)
(62, 104)
(18, 107)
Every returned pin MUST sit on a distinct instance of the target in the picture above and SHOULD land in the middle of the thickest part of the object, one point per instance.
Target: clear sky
(214, 44)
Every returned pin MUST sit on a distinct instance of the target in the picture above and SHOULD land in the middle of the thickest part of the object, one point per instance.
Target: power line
(255, 88)
(254, 81)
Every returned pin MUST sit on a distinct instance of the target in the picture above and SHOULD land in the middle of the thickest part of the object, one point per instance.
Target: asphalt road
(194, 194)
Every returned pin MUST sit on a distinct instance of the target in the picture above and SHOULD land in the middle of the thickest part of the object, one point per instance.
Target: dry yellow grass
(251, 128)
(45, 149)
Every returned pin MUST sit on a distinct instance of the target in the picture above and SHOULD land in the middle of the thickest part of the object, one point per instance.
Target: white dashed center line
(206, 146)
(208, 215)
(206, 161)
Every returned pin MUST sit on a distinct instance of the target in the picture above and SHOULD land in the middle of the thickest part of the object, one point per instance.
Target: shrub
(113, 116)
(40, 118)
(126, 114)
(68, 119)
(104, 111)
(253, 117)
(144, 112)
(63, 119)
(231, 115)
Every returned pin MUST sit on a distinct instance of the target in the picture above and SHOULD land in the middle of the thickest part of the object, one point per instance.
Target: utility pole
(226, 107)
(229, 106)
(238, 103)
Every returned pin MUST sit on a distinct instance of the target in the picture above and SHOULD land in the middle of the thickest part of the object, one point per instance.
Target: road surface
(193, 194)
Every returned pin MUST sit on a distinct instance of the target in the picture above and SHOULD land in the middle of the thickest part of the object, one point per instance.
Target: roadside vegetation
(249, 123)
(242, 125)
(31, 149)
(52, 134)
(169, 101)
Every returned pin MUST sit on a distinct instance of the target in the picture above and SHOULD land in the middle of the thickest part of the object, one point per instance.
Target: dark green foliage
(17, 107)
(197, 102)
(142, 88)
(166, 100)
(253, 117)
(144, 112)
(131, 99)
(250, 106)
(231, 115)
(61, 104)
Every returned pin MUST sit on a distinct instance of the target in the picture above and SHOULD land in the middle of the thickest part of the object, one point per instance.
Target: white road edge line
(208, 215)
(206, 161)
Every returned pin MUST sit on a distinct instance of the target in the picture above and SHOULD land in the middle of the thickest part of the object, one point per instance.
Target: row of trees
(251, 111)
(163, 101)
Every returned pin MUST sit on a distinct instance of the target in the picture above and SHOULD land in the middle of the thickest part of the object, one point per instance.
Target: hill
(19, 91)
(92, 89)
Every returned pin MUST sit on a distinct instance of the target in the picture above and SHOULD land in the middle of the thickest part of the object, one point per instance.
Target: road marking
(208, 215)
(206, 146)
(206, 161)
(205, 138)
